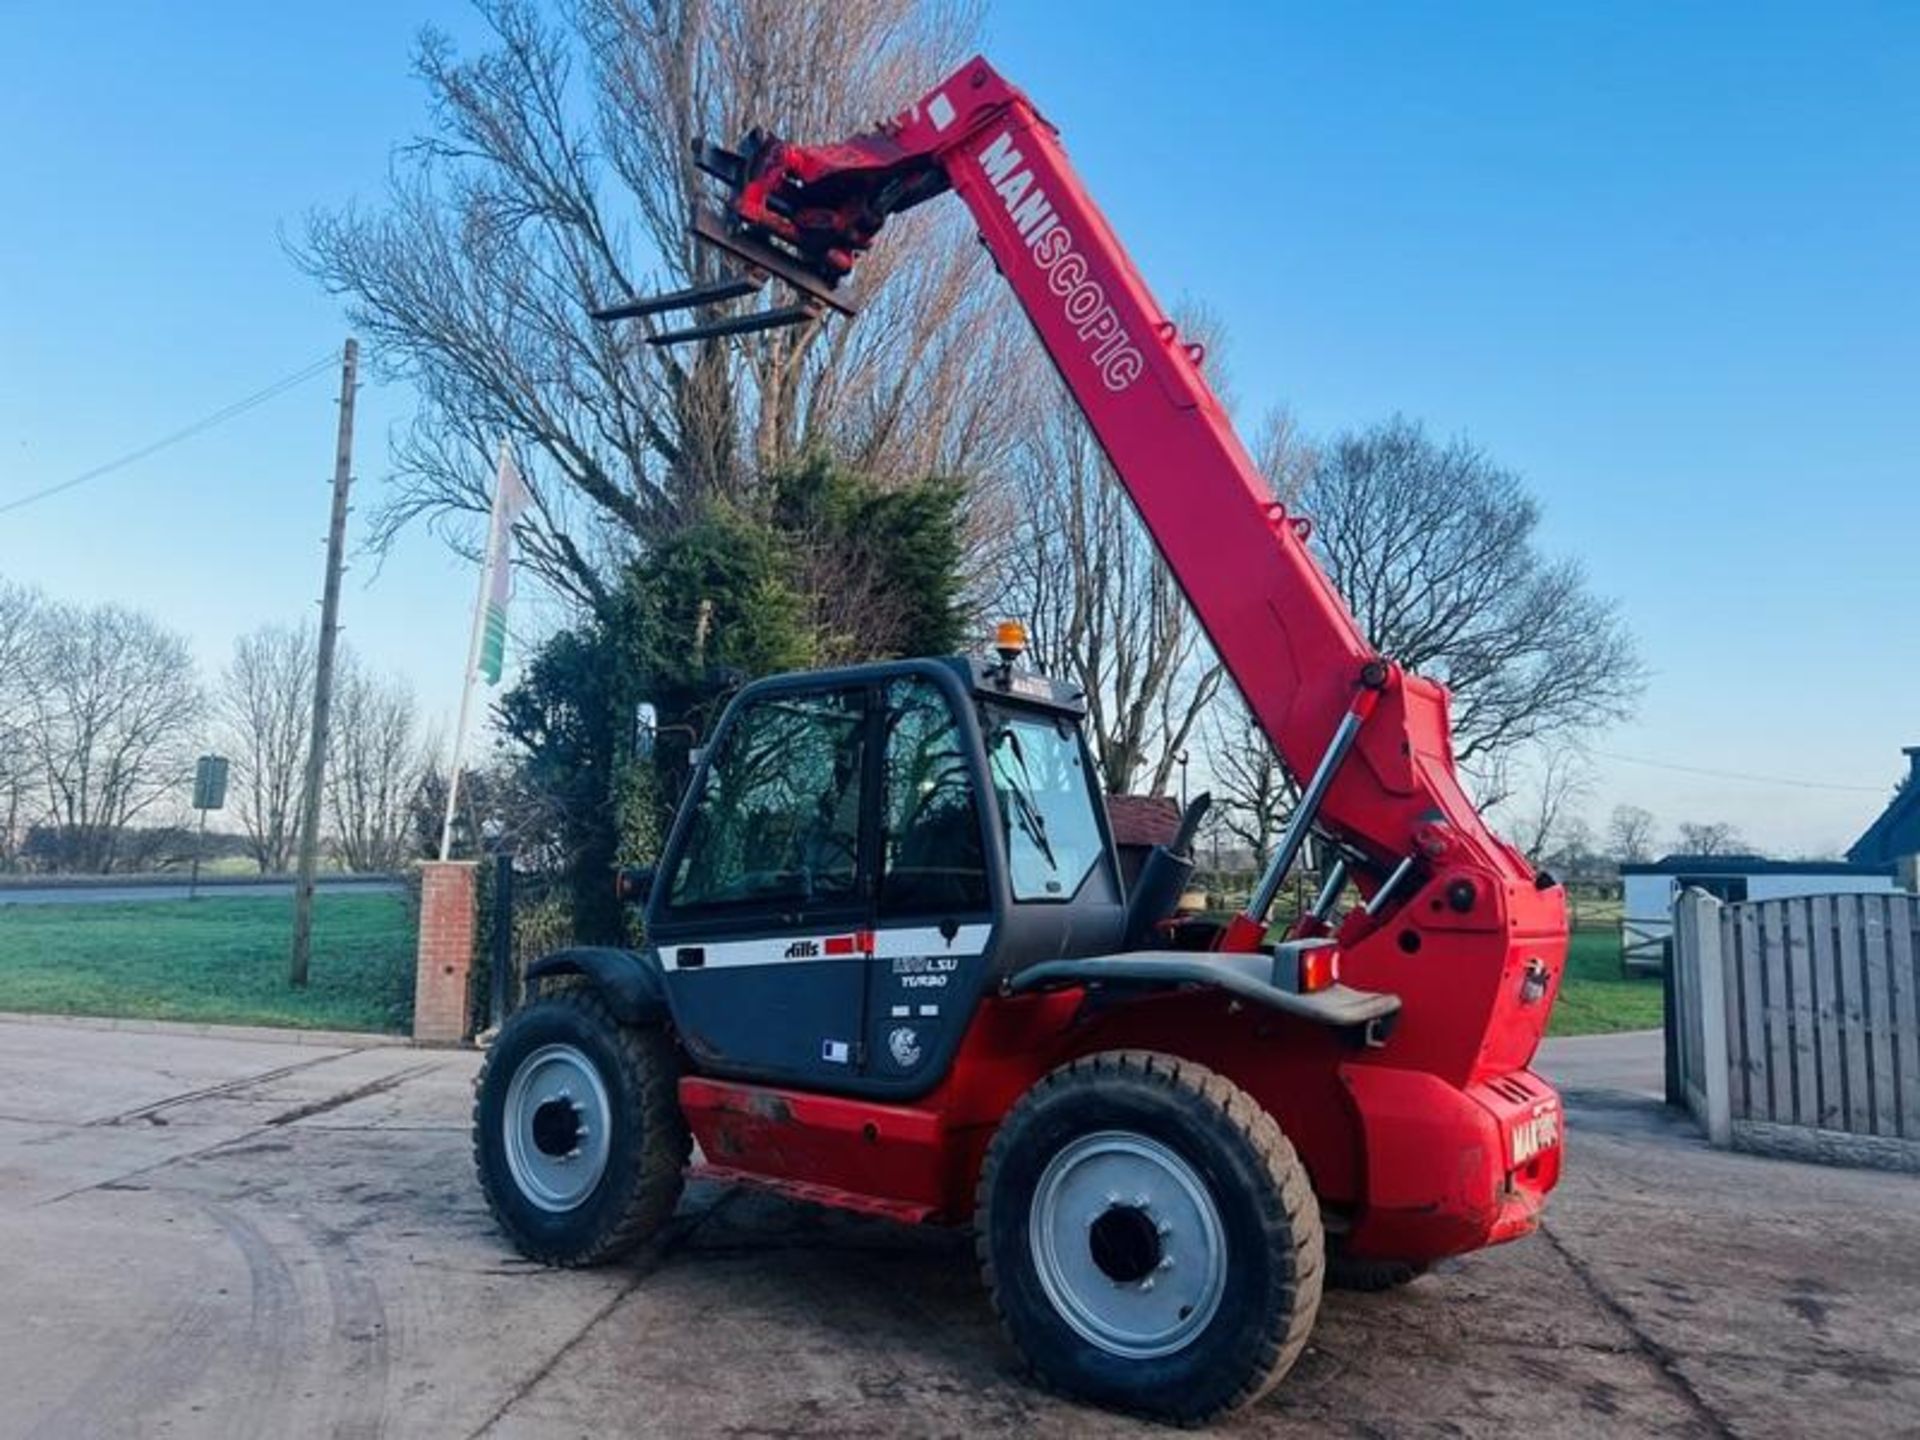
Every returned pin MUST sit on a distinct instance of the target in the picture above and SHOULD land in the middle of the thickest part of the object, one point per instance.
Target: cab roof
(986, 679)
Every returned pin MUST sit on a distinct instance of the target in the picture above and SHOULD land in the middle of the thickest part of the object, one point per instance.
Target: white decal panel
(911, 942)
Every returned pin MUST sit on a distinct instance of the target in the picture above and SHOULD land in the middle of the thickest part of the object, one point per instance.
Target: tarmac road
(227, 1235)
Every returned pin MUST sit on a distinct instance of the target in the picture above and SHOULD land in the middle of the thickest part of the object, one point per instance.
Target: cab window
(778, 819)
(932, 857)
(1040, 777)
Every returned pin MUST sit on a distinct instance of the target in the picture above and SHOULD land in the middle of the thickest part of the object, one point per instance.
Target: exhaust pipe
(1163, 879)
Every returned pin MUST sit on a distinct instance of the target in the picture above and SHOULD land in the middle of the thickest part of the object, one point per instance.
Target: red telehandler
(889, 961)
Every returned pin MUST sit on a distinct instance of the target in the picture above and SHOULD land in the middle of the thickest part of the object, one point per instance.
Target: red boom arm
(1286, 637)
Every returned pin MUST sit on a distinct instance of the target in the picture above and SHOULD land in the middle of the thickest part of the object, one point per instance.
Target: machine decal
(914, 942)
(1540, 1132)
(836, 1052)
(903, 1043)
(1051, 244)
(925, 972)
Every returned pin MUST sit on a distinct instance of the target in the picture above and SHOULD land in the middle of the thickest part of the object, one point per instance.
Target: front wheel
(1149, 1237)
(577, 1131)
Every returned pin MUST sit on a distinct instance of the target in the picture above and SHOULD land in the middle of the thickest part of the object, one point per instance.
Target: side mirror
(632, 884)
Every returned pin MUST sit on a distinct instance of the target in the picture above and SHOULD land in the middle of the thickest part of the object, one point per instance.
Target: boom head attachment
(797, 215)
(759, 262)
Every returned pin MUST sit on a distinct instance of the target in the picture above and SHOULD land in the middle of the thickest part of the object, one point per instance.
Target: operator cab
(862, 854)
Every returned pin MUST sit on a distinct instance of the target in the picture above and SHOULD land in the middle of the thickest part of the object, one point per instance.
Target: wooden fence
(1798, 1024)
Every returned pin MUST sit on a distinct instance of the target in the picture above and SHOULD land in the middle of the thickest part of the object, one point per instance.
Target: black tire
(1267, 1218)
(646, 1146)
(1369, 1277)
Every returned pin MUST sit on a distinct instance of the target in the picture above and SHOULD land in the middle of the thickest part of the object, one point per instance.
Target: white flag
(510, 497)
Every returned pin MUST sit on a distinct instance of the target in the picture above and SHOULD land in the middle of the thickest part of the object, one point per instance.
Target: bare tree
(1251, 788)
(21, 633)
(1285, 456)
(114, 715)
(1573, 855)
(1630, 834)
(22, 637)
(265, 704)
(557, 175)
(1560, 777)
(375, 765)
(1715, 838)
(1103, 608)
(1434, 548)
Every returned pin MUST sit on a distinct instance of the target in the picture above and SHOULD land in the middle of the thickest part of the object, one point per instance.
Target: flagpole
(473, 655)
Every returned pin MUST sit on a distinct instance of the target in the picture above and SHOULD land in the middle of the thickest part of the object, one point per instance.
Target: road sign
(210, 783)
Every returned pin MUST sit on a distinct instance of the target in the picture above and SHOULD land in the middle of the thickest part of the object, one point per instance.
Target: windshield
(1046, 804)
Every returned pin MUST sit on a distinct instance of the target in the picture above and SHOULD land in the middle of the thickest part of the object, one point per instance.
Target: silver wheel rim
(1128, 1244)
(556, 1127)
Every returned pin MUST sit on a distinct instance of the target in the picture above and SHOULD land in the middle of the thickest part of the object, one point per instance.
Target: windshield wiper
(1028, 813)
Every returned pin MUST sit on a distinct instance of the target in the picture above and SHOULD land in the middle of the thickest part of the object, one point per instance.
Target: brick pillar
(447, 899)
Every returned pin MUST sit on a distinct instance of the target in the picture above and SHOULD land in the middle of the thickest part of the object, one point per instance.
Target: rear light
(1305, 967)
(1319, 968)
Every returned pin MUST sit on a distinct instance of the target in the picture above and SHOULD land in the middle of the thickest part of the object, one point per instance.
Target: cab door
(934, 913)
(764, 912)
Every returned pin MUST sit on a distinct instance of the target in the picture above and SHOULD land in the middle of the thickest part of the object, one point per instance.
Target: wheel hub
(1125, 1244)
(1128, 1244)
(557, 1127)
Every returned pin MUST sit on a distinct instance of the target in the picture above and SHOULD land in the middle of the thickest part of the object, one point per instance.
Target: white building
(1648, 891)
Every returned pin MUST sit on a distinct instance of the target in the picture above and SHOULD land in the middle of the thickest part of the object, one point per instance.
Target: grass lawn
(1594, 995)
(225, 959)
(215, 959)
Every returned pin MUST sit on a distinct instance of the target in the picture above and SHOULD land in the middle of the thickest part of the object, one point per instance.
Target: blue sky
(1659, 258)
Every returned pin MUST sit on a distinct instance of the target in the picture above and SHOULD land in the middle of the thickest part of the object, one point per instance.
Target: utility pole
(323, 675)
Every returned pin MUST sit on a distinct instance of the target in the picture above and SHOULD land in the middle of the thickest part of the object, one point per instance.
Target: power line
(205, 423)
(1740, 775)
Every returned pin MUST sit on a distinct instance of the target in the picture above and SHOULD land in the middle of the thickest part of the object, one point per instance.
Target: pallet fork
(762, 260)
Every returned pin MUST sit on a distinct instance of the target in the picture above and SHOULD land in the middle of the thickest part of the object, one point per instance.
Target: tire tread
(650, 1068)
(1289, 1201)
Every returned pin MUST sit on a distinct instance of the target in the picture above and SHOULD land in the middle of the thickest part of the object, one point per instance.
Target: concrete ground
(216, 1235)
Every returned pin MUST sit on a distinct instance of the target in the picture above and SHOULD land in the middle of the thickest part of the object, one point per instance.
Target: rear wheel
(1149, 1237)
(577, 1131)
